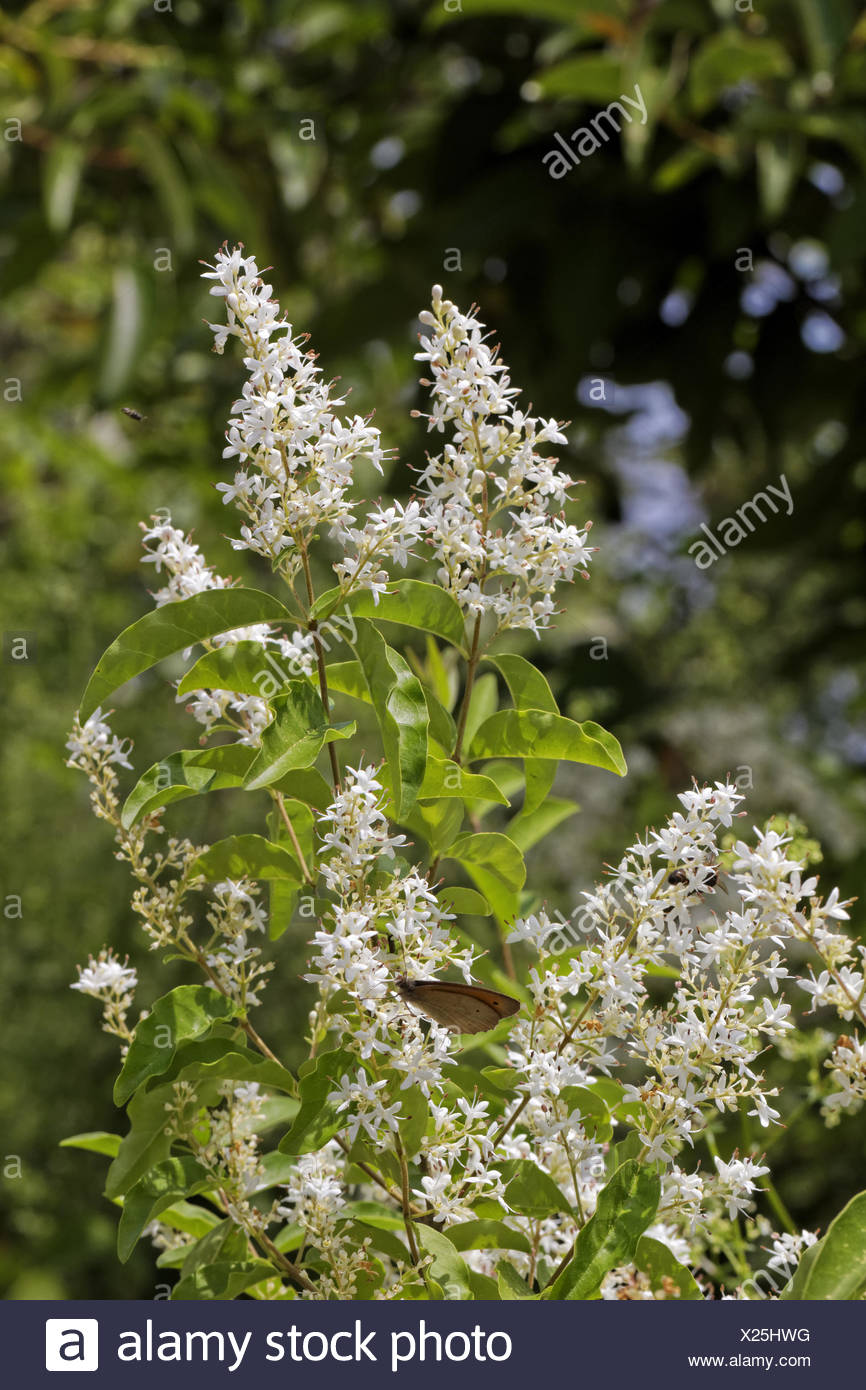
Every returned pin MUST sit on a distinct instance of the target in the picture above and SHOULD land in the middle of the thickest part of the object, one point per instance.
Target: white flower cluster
(227, 1147)
(107, 977)
(847, 1072)
(114, 983)
(94, 749)
(382, 925)
(698, 1049)
(297, 457)
(492, 466)
(788, 1250)
(314, 1201)
(236, 965)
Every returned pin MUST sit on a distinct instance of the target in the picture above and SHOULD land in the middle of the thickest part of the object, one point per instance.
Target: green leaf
(487, 1235)
(218, 1059)
(510, 1284)
(317, 1120)
(247, 856)
(401, 709)
(307, 785)
(593, 1110)
(530, 1190)
(447, 1268)
(729, 58)
(239, 666)
(96, 1141)
(147, 1143)
(538, 734)
(482, 704)
(186, 1013)
(278, 1168)
(540, 776)
(779, 160)
(347, 678)
(381, 1238)
(484, 1289)
(172, 628)
(503, 1078)
(437, 822)
(168, 180)
(663, 1268)
(186, 773)
(495, 865)
(529, 690)
(414, 1114)
(408, 601)
(123, 341)
(167, 1183)
(442, 726)
(527, 829)
(559, 11)
(626, 1206)
(464, 901)
(587, 77)
(628, 1148)
(191, 1220)
(441, 682)
(297, 735)
(223, 1279)
(835, 1268)
(375, 1214)
(63, 165)
(445, 778)
(283, 894)
(527, 686)
(221, 1241)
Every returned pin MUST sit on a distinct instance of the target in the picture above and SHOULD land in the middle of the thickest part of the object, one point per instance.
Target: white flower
(296, 456)
(491, 472)
(737, 1181)
(93, 743)
(359, 833)
(105, 976)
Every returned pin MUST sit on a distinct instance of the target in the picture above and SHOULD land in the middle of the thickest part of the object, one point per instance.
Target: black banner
(427, 1346)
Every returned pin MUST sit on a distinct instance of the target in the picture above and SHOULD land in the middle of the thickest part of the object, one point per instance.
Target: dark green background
(150, 134)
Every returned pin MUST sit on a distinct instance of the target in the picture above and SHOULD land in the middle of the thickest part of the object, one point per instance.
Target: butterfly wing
(464, 1008)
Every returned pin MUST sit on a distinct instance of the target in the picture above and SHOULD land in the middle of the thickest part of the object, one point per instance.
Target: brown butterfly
(464, 1008)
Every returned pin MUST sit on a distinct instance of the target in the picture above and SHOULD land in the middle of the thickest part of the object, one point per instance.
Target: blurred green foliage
(691, 297)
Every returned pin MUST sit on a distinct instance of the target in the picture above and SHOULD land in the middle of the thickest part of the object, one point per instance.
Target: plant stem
(278, 797)
(779, 1206)
(320, 662)
(244, 1023)
(282, 1262)
(365, 1168)
(467, 693)
(407, 1209)
(563, 1264)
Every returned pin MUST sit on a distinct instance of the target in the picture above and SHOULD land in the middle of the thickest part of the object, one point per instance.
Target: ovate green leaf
(515, 733)
(295, 738)
(186, 1013)
(172, 628)
(247, 856)
(186, 773)
(401, 709)
(626, 1206)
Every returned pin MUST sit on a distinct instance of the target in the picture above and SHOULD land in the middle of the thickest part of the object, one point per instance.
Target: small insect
(463, 1008)
(680, 876)
(133, 414)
